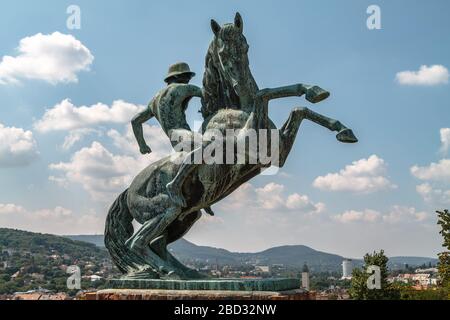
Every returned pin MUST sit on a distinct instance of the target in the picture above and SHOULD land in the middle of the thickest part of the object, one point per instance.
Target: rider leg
(190, 163)
(183, 140)
(174, 188)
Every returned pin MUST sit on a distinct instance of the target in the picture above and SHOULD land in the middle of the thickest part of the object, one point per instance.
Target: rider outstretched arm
(137, 123)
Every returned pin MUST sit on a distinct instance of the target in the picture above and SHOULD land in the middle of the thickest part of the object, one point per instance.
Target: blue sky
(126, 50)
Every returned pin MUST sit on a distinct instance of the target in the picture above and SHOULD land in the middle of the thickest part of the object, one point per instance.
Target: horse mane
(211, 87)
(217, 93)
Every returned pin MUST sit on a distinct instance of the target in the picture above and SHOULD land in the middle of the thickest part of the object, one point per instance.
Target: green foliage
(444, 257)
(359, 289)
(408, 293)
(324, 280)
(444, 222)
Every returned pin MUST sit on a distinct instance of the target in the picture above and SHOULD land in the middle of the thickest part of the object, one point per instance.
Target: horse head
(228, 81)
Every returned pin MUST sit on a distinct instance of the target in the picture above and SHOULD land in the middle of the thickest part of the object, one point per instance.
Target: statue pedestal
(277, 285)
(210, 289)
(145, 294)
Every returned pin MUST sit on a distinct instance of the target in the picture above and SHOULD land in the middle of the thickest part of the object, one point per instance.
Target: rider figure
(169, 107)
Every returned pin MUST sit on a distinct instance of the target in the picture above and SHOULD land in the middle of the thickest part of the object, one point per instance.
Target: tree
(359, 289)
(444, 257)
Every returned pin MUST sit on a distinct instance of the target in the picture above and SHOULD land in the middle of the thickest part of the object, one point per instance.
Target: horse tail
(118, 229)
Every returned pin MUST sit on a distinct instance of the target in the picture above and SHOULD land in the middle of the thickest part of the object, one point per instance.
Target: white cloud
(58, 220)
(270, 198)
(154, 135)
(100, 172)
(55, 58)
(426, 76)
(397, 214)
(296, 201)
(66, 116)
(445, 140)
(60, 181)
(436, 188)
(400, 214)
(366, 215)
(435, 171)
(77, 135)
(104, 174)
(248, 214)
(433, 195)
(365, 176)
(17, 147)
(10, 209)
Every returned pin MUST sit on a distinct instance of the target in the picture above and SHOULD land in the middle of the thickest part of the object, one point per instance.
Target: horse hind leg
(155, 215)
(158, 217)
(344, 134)
(289, 130)
(175, 231)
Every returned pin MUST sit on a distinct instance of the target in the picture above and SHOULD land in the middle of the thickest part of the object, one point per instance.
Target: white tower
(305, 277)
(347, 268)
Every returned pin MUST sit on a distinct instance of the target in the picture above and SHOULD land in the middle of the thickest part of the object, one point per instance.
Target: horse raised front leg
(313, 94)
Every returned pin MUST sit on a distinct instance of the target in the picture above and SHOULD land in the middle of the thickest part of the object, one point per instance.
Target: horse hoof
(316, 94)
(346, 136)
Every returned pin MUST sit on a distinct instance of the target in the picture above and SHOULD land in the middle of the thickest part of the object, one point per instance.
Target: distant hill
(291, 256)
(411, 261)
(297, 255)
(47, 243)
(98, 240)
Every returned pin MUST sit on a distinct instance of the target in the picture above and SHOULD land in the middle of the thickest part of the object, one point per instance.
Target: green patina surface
(216, 284)
(167, 197)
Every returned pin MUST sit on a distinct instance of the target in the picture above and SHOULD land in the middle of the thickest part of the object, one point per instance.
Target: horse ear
(215, 27)
(238, 22)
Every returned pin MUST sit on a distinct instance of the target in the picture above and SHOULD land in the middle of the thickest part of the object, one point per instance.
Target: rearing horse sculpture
(231, 100)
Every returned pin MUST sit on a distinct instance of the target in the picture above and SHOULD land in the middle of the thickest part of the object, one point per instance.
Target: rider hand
(145, 149)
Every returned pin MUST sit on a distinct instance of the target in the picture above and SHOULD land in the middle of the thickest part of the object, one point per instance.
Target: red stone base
(136, 294)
